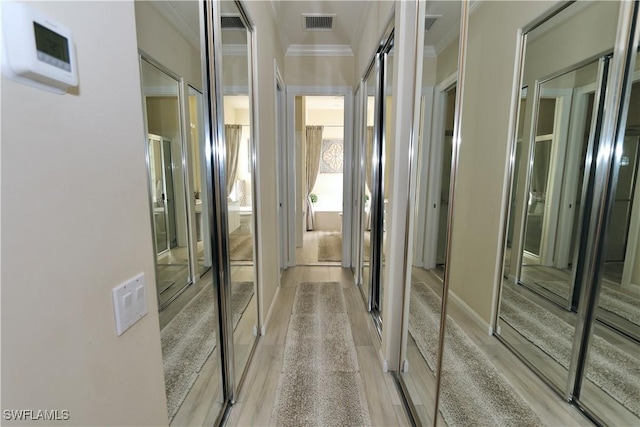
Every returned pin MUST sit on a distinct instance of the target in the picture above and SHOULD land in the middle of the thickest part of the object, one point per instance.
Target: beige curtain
(232, 135)
(314, 147)
(368, 178)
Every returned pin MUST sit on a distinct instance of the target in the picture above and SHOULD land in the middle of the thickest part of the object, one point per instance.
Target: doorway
(320, 133)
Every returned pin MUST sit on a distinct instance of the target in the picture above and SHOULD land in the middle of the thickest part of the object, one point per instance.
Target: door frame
(434, 160)
(282, 183)
(293, 187)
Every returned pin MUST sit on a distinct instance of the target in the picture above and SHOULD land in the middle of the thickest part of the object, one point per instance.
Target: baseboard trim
(263, 329)
(483, 324)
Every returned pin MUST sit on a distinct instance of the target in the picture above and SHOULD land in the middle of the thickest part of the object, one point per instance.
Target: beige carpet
(320, 383)
(241, 247)
(330, 247)
(615, 302)
(613, 370)
(190, 338)
(473, 392)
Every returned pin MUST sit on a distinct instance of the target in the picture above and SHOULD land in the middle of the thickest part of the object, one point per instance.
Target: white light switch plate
(129, 303)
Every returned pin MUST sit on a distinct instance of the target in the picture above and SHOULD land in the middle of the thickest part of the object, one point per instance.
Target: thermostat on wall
(37, 50)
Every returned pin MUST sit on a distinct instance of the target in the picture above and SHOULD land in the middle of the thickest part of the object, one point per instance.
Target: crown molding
(319, 50)
(429, 52)
(234, 50)
(178, 21)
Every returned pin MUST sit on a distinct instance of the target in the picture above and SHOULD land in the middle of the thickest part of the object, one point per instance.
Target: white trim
(235, 90)
(280, 100)
(178, 21)
(435, 170)
(429, 52)
(567, 205)
(556, 168)
(483, 324)
(254, 97)
(234, 50)
(292, 212)
(422, 152)
(319, 50)
(267, 320)
(347, 93)
(405, 365)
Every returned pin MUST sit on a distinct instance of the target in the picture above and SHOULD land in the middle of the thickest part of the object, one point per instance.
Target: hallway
(255, 403)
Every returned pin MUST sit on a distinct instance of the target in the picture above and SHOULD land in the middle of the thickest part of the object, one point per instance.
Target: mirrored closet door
(375, 141)
(568, 303)
(429, 225)
(179, 171)
(237, 145)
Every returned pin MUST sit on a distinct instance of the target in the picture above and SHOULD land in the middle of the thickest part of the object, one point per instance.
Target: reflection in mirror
(199, 176)
(367, 151)
(432, 163)
(178, 167)
(557, 174)
(613, 366)
(238, 138)
(166, 179)
(565, 72)
(387, 147)
(516, 164)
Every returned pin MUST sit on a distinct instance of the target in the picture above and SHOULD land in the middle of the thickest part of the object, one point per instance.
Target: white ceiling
(349, 20)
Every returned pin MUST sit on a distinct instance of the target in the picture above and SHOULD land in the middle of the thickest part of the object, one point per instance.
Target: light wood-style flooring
(255, 402)
(308, 253)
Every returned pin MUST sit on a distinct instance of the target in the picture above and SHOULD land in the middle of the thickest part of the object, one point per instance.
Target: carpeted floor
(473, 392)
(190, 338)
(330, 247)
(241, 247)
(320, 383)
(611, 300)
(611, 369)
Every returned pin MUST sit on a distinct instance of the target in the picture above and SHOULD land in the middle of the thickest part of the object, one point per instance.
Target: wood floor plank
(376, 390)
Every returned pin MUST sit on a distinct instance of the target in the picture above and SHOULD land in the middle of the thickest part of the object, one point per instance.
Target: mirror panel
(367, 151)
(613, 364)
(553, 187)
(177, 159)
(565, 116)
(166, 179)
(199, 176)
(240, 181)
(429, 222)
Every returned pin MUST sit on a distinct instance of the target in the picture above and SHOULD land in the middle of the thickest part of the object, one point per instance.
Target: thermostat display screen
(51, 43)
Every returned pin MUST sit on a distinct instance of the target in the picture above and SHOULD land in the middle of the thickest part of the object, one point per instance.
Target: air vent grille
(232, 23)
(318, 22)
(429, 21)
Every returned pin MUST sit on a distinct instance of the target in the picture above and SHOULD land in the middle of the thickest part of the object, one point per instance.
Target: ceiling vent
(232, 22)
(429, 20)
(318, 22)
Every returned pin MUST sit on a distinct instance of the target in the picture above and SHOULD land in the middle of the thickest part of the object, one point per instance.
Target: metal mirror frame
(614, 118)
(211, 41)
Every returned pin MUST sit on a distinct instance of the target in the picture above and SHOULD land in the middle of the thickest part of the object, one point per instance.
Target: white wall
(319, 70)
(75, 223)
(160, 40)
(268, 48)
(477, 221)
(379, 15)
